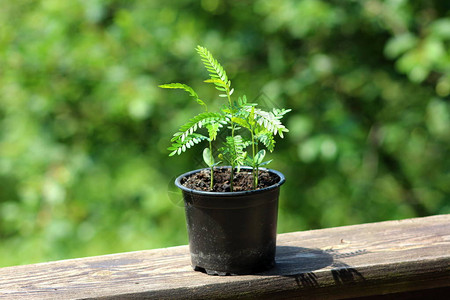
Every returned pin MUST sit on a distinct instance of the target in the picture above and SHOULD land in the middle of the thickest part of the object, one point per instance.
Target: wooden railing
(396, 259)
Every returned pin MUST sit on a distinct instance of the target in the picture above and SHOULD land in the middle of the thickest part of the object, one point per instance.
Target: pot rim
(229, 194)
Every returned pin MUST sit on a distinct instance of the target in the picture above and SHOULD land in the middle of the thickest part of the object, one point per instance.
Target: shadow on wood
(292, 261)
(300, 264)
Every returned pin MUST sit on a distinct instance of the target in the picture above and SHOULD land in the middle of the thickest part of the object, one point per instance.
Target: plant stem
(257, 168)
(255, 178)
(211, 185)
(232, 135)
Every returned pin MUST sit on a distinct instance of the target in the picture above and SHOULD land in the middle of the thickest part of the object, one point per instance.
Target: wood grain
(394, 258)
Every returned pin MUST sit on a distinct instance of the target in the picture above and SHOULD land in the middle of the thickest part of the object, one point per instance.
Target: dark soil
(243, 181)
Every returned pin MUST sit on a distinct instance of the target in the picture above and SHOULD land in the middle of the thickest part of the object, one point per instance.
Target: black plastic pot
(232, 233)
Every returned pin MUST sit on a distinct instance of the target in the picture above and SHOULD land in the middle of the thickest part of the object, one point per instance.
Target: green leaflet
(265, 163)
(218, 82)
(259, 157)
(257, 161)
(208, 157)
(251, 117)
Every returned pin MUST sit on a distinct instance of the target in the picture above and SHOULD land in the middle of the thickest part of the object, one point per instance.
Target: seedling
(233, 116)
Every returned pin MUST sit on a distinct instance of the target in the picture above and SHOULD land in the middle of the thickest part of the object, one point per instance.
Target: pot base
(212, 272)
(243, 272)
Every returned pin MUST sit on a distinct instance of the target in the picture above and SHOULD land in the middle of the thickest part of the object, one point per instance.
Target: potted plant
(231, 211)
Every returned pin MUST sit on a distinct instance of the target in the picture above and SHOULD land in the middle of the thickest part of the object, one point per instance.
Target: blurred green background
(84, 129)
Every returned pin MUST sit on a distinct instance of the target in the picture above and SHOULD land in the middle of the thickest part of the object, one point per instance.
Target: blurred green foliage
(84, 129)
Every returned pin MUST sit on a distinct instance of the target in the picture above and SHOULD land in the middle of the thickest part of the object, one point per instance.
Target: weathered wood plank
(352, 261)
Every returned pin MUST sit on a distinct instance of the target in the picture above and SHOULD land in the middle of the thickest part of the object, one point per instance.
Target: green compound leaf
(213, 129)
(216, 71)
(187, 89)
(197, 122)
(240, 122)
(179, 146)
(267, 139)
(233, 150)
(271, 120)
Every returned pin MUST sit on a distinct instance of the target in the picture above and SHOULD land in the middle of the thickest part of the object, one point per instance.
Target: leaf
(218, 81)
(266, 138)
(249, 161)
(233, 150)
(279, 113)
(271, 120)
(198, 121)
(185, 88)
(213, 128)
(242, 100)
(259, 157)
(216, 71)
(180, 146)
(265, 163)
(251, 117)
(208, 157)
(240, 122)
